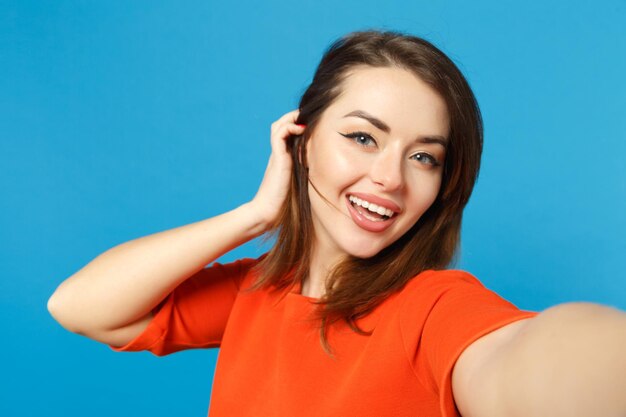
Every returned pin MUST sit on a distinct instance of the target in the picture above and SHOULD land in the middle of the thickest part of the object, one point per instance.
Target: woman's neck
(322, 261)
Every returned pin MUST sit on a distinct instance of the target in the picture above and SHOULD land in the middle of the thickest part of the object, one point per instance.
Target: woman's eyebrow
(433, 139)
(385, 128)
(373, 120)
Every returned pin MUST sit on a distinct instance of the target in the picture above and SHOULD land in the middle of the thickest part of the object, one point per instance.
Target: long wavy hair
(356, 286)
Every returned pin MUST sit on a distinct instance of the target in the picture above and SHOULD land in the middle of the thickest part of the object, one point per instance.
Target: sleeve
(195, 314)
(450, 310)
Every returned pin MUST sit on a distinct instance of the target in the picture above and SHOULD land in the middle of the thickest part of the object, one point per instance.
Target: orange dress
(271, 362)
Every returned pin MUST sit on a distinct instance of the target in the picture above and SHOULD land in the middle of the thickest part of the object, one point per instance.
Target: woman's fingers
(275, 184)
(285, 130)
(285, 120)
(284, 127)
(289, 117)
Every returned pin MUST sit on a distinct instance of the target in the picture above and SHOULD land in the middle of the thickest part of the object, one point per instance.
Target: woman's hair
(356, 286)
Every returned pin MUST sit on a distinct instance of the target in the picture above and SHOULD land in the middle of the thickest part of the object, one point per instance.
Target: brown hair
(356, 286)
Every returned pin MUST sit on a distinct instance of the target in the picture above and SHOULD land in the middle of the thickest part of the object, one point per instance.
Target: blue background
(121, 119)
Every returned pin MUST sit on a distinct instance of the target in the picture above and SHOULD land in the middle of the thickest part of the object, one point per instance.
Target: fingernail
(301, 125)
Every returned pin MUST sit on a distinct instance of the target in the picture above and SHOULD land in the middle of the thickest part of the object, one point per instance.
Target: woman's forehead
(394, 95)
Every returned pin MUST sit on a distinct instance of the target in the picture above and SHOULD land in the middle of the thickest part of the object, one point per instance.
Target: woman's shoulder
(450, 299)
(431, 288)
(441, 279)
(450, 292)
(241, 271)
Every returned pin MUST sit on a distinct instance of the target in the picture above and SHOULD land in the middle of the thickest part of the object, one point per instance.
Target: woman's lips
(378, 201)
(365, 223)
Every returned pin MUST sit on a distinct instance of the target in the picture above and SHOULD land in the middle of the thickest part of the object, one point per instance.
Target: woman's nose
(386, 171)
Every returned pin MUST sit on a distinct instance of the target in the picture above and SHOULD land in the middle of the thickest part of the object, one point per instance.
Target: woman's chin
(364, 252)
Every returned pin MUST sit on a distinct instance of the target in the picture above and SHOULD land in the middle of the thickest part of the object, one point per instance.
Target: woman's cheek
(342, 162)
(349, 163)
(424, 187)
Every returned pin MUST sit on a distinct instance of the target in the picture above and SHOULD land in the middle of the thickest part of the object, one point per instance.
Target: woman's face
(375, 160)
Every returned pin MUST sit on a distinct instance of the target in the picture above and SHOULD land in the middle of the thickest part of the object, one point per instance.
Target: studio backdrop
(122, 119)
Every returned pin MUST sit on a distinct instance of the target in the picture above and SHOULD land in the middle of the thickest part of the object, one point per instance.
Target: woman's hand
(111, 299)
(275, 185)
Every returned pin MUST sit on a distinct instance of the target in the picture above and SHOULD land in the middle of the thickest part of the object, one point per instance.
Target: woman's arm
(569, 361)
(124, 283)
(111, 298)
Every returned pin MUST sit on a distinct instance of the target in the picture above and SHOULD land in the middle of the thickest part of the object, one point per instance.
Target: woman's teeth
(371, 207)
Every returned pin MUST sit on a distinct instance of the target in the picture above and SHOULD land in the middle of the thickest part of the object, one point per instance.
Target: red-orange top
(271, 362)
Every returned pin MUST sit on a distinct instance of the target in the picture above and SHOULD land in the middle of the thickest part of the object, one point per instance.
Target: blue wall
(121, 119)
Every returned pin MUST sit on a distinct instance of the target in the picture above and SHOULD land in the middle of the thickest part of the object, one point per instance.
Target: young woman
(352, 311)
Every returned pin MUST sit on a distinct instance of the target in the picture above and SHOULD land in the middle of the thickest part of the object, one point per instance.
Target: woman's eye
(360, 138)
(425, 158)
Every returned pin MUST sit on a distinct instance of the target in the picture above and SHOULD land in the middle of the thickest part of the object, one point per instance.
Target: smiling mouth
(371, 211)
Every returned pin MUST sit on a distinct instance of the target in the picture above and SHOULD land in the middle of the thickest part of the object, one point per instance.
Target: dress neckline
(296, 291)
